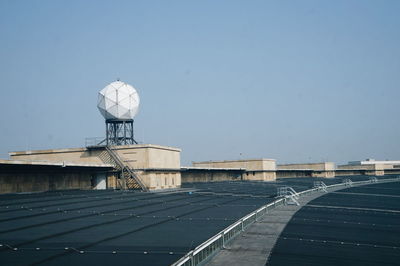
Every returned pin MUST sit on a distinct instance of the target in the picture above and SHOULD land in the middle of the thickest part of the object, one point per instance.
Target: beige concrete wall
(371, 169)
(32, 182)
(325, 174)
(259, 176)
(324, 166)
(249, 165)
(190, 176)
(40, 181)
(356, 167)
(155, 180)
(254, 168)
(209, 175)
(367, 169)
(376, 172)
(268, 164)
(150, 156)
(292, 174)
(112, 181)
(137, 156)
(162, 158)
(350, 172)
(75, 155)
(324, 169)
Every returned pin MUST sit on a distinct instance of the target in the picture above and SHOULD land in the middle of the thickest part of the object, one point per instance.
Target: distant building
(373, 161)
(255, 169)
(324, 169)
(370, 167)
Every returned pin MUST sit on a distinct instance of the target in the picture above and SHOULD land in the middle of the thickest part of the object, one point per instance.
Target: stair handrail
(320, 185)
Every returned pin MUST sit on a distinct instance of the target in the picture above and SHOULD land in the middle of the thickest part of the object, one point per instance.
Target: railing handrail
(93, 141)
(220, 234)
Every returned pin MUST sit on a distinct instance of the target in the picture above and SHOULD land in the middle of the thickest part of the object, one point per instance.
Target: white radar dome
(118, 101)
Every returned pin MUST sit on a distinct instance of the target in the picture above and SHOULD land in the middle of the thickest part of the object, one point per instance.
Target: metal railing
(94, 141)
(373, 179)
(347, 182)
(320, 185)
(290, 194)
(208, 248)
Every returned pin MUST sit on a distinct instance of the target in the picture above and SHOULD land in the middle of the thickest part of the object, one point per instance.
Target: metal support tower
(119, 132)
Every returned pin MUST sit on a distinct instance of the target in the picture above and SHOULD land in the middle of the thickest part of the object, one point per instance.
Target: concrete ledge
(122, 147)
(211, 169)
(61, 164)
(235, 161)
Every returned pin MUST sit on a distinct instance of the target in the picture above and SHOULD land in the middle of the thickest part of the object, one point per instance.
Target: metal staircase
(347, 182)
(290, 194)
(373, 179)
(321, 186)
(129, 178)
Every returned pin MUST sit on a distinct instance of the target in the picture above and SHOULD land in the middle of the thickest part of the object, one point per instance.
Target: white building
(373, 161)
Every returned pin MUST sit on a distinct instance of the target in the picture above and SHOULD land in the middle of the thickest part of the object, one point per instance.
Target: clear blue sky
(297, 81)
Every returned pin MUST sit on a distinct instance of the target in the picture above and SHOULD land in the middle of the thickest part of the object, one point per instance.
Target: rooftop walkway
(353, 226)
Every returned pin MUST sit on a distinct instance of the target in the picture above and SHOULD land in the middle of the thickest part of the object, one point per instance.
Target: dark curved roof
(125, 228)
(355, 226)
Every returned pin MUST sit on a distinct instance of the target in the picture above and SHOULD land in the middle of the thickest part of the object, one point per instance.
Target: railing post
(242, 225)
(223, 240)
(191, 258)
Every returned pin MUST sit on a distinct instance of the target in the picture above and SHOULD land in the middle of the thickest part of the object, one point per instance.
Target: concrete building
(157, 167)
(367, 169)
(373, 161)
(388, 166)
(370, 167)
(152, 167)
(324, 169)
(203, 174)
(255, 169)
